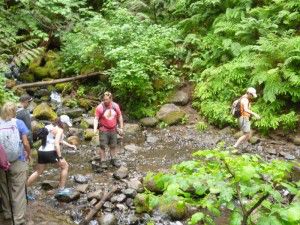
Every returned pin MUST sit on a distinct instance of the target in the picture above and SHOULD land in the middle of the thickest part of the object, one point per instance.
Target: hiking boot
(115, 162)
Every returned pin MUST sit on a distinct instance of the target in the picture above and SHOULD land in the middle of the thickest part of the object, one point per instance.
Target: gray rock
(121, 173)
(68, 197)
(149, 122)
(82, 188)
(296, 140)
(170, 114)
(80, 179)
(73, 113)
(108, 219)
(287, 155)
(271, 151)
(121, 207)
(108, 205)
(129, 192)
(118, 198)
(151, 139)
(49, 185)
(180, 98)
(75, 131)
(31, 106)
(89, 121)
(135, 184)
(131, 128)
(133, 219)
(129, 202)
(41, 92)
(254, 140)
(96, 194)
(133, 148)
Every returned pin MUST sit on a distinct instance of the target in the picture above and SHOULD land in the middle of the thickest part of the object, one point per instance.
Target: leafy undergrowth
(251, 190)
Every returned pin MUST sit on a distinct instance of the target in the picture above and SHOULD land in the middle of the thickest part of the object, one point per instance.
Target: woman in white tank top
(51, 152)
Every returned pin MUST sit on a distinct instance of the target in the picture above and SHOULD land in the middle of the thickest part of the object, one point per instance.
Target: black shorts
(108, 139)
(47, 157)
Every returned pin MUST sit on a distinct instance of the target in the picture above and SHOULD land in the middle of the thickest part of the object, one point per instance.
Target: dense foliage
(251, 190)
(145, 47)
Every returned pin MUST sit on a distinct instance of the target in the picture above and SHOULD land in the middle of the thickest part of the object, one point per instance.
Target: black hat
(25, 98)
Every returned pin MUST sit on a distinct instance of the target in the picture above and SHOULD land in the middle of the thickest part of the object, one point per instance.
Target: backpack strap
(105, 108)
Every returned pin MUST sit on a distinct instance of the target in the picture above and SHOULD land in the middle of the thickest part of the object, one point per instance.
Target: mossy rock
(170, 114)
(92, 111)
(27, 77)
(177, 210)
(40, 73)
(44, 112)
(84, 103)
(84, 124)
(88, 134)
(45, 98)
(150, 184)
(141, 203)
(64, 87)
(53, 71)
(51, 56)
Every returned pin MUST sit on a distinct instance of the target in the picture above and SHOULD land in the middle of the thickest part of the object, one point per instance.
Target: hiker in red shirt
(107, 117)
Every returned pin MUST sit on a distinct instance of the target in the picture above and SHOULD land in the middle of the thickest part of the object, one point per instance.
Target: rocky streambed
(141, 150)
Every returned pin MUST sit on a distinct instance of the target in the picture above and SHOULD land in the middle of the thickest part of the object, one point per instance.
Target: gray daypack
(10, 139)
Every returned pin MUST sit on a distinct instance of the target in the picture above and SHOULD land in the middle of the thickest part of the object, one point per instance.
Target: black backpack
(41, 134)
(236, 108)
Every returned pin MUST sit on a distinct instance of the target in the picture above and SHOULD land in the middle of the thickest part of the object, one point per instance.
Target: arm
(245, 103)
(57, 141)
(69, 145)
(26, 146)
(96, 119)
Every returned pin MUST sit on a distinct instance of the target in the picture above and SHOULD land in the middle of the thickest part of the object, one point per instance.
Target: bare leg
(245, 137)
(102, 154)
(39, 170)
(113, 152)
(64, 166)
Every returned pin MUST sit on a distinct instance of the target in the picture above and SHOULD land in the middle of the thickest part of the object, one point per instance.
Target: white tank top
(50, 144)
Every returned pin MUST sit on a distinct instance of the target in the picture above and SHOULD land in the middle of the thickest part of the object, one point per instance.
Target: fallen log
(57, 81)
(98, 206)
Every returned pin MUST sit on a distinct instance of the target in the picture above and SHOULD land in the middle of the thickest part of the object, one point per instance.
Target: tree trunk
(57, 81)
(98, 206)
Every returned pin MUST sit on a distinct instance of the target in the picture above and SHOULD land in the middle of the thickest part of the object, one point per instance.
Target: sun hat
(65, 119)
(252, 91)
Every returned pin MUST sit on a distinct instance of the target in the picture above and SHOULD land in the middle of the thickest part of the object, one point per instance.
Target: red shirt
(108, 116)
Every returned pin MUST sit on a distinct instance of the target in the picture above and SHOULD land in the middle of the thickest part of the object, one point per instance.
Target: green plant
(252, 190)
(185, 119)
(162, 125)
(201, 126)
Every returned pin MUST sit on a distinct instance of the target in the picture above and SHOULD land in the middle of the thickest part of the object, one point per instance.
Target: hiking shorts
(244, 124)
(45, 157)
(108, 139)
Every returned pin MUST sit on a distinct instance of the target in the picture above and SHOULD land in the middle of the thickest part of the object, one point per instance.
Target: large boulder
(73, 113)
(149, 122)
(74, 140)
(44, 112)
(131, 128)
(170, 114)
(180, 98)
(296, 140)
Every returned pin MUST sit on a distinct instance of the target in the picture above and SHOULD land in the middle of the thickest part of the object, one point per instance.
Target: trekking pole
(10, 199)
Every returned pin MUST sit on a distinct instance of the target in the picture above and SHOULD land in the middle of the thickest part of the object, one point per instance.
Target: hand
(120, 131)
(74, 147)
(27, 156)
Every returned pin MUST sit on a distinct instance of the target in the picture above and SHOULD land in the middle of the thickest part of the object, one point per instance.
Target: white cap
(252, 91)
(66, 119)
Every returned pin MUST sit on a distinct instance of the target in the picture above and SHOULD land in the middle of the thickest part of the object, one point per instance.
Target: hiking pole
(10, 199)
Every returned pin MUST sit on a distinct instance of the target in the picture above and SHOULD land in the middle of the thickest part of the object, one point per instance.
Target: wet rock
(93, 222)
(44, 112)
(73, 131)
(254, 140)
(295, 173)
(68, 197)
(271, 151)
(135, 184)
(108, 205)
(296, 140)
(95, 141)
(287, 155)
(133, 148)
(82, 188)
(170, 114)
(73, 113)
(131, 128)
(176, 210)
(49, 185)
(74, 140)
(150, 184)
(151, 139)
(130, 192)
(96, 194)
(118, 198)
(176, 223)
(149, 122)
(81, 179)
(121, 173)
(41, 93)
(31, 106)
(129, 202)
(133, 219)
(180, 98)
(121, 207)
(108, 219)
(88, 134)
(141, 202)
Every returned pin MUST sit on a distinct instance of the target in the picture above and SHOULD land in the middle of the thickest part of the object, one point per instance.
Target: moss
(84, 124)
(88, 134)
(40, 73)
(141, 203)
(53, 71)
(44, 111)
(177, 210)
(27, 77)
(84, 103)
(64, 87)
(51, 56)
